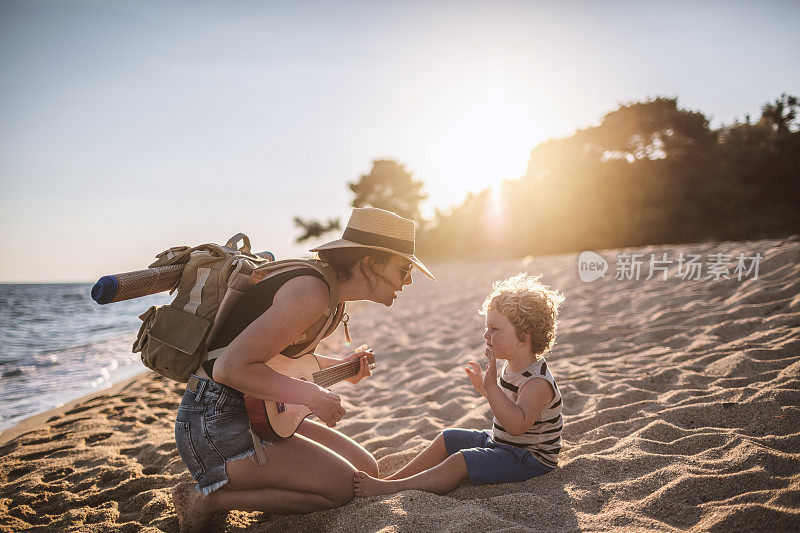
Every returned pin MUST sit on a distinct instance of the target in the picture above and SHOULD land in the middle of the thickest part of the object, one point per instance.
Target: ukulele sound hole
(281, 407)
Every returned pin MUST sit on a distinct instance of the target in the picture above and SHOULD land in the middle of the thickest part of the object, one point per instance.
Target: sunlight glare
(493, 226)
(494, 212)
(486, 140)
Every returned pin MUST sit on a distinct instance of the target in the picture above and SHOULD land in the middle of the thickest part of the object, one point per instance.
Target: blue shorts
(211, 429)
(490, 462)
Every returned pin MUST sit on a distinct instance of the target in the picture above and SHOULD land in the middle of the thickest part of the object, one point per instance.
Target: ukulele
(273, 421)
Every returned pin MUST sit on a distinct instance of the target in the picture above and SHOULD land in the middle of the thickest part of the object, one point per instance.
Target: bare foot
(365, 485)
(190, 506)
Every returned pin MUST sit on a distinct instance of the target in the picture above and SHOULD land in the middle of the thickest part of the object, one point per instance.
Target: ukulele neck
(335, 374)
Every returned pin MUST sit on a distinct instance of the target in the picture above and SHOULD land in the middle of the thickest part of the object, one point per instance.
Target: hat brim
(343, 243)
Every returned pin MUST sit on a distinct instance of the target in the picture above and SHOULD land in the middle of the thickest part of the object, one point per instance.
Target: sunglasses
(406, 271)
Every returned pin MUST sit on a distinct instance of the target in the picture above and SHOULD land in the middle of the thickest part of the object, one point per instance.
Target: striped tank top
(543, 439)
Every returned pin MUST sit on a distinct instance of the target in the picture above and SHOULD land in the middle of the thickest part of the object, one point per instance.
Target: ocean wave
(56, 345)
(18, 371)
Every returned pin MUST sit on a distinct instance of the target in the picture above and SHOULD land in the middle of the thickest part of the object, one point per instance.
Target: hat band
(373, 239)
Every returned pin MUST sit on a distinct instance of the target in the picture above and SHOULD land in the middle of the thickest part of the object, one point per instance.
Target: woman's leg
(435, 453)
(440, 479)
(300, 476)
(295, 464)
(195, 511)
(341, 444)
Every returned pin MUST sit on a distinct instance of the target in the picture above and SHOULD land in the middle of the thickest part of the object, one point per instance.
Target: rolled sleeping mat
(127, 285)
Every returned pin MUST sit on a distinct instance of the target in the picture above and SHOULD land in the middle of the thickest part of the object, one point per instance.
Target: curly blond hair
(530, 306)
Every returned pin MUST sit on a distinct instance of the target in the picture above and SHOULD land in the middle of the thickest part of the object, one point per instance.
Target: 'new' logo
(591, 266)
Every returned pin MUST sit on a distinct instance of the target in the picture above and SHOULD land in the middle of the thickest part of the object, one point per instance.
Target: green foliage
(389, 186)
(781, 115)
(314, 228)
(649, 173)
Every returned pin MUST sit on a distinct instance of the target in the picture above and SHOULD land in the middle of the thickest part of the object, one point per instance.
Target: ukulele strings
(335, 374)
(335, 371)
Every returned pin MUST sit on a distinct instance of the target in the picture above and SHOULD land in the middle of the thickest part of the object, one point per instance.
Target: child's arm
(516, 418)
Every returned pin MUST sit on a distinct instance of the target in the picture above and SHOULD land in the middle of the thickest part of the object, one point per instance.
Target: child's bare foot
(190, 508)
(365, 485)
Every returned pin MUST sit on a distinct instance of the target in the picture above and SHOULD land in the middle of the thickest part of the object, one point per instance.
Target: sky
(130, 127)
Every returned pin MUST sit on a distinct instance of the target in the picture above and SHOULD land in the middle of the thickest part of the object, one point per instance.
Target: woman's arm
(296, 306)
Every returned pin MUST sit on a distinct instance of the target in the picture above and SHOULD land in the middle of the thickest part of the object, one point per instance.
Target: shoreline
(33, 422)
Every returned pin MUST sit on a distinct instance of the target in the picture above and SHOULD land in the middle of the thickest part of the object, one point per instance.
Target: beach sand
(680, 401)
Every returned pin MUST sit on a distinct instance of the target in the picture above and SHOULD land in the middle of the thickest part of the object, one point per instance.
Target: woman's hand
(365, 369)
(327, 406)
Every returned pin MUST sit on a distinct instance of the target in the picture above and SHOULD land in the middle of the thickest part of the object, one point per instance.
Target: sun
(484, 141)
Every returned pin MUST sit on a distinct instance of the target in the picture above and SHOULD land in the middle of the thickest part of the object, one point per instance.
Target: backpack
(173, 339)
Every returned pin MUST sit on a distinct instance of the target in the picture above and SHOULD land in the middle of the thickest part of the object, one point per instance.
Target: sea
(57, 344)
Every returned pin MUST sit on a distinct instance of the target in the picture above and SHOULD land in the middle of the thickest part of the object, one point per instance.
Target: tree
(654, 129)
(650, 172)
(781, 114)
(314, 228)
(389, 186)
(766, 157)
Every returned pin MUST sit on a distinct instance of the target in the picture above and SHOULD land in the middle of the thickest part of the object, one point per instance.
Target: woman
(313, 469)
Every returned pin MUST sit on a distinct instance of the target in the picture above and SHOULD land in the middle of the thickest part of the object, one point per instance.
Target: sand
(680, 401)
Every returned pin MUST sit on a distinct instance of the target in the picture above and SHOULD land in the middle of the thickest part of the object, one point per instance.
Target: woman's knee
(353, 452)
(367, 463)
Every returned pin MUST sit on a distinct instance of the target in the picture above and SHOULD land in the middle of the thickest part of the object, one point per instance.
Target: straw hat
(370, 227)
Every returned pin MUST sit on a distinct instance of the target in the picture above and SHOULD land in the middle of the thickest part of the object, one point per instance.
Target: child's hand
(490, 378)
(473, 370)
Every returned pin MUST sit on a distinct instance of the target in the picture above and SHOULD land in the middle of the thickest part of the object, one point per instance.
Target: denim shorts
(211, 429)
(491, 462)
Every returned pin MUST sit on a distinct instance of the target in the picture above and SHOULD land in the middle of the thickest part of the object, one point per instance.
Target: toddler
(521, 320)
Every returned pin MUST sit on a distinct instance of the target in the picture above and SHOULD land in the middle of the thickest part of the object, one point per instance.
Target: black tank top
(252, 305)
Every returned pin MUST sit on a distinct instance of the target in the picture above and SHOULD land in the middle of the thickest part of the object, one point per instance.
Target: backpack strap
(335, 309)
(327, 322)
(231, 244)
